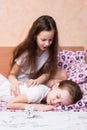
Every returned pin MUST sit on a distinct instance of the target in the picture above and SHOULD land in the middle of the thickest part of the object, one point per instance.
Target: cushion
(74, 63)
(67, 57)
(77, 72)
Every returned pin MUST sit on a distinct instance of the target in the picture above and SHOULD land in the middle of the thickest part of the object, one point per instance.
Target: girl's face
(58, 96)
(45, 39)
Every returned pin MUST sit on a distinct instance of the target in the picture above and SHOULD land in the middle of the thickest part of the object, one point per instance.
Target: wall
(16, 17)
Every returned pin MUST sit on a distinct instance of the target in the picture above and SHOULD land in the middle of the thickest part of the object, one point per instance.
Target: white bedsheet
(43, 121)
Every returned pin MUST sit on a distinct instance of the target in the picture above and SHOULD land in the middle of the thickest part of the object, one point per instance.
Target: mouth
(45, 48)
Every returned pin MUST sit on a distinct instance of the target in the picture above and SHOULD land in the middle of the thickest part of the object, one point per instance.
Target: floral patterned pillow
(74, 63)
(66, 57)
(77, 72)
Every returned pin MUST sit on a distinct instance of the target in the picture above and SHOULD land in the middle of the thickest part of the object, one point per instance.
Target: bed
(72, 117)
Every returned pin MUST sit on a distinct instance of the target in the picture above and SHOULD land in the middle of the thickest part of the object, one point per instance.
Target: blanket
(43, 121)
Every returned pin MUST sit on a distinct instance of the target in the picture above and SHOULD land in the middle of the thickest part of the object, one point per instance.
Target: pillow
(80, 56)
(67, 57)
(77, 72)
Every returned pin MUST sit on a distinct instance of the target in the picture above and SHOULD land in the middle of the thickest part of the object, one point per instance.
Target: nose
(57, 102)
(47, 43)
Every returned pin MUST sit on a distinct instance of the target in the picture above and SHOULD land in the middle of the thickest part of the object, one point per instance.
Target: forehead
(65, 97)
(46, 33)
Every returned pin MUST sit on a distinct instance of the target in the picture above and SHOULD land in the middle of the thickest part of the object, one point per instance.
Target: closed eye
(59, 103)
(57, 97)
(43, 40)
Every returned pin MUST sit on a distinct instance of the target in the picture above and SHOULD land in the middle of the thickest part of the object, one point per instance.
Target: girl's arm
(14, 82)
(21, 102)
(43, 78)
(86, 58)
(13, 73)
(50, 83)
(40, 80)
(60, 75)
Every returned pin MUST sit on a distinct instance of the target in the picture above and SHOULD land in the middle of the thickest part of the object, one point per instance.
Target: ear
(55, 86)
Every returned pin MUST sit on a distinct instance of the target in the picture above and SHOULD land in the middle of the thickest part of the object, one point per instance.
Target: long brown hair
(73, 88)
(43, 23)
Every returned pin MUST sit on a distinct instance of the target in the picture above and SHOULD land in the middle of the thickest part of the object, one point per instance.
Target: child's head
(43, 23)
(43, 34)
(65, 93)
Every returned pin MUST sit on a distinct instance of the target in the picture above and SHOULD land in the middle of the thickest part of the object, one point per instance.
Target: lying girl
(62, 93)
